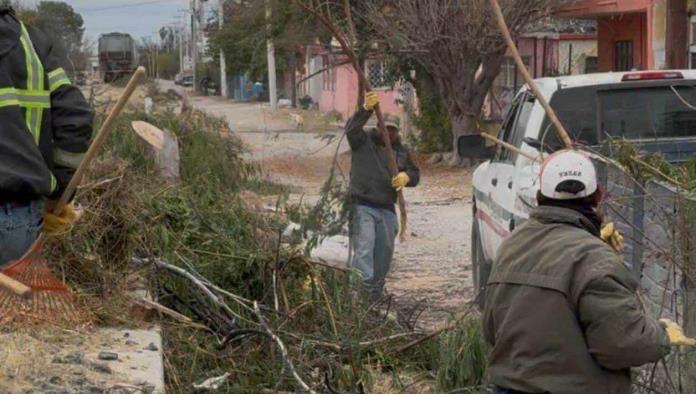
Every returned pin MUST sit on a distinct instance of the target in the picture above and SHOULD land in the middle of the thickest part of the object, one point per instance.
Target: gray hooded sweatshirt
(370, 181)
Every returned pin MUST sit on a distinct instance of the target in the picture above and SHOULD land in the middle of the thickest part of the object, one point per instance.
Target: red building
(633, 34)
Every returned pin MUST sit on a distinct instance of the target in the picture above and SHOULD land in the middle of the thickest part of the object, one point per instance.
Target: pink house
(336, 88)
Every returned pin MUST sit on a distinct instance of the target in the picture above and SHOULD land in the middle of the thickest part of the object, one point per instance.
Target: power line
(115, 7)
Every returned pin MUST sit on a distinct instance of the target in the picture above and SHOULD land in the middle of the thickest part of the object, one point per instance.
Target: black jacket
(45, 122)
(370, 182)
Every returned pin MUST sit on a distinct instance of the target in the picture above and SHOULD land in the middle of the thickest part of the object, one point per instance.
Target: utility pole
(181, 50)
(194, 42)
(272, 89)
(223, 63)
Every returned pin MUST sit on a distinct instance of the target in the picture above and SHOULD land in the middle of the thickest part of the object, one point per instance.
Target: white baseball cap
(568, 175)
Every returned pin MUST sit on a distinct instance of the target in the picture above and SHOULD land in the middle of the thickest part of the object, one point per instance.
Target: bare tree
(459, 45)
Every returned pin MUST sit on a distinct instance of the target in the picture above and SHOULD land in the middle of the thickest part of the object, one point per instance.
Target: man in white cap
(562, 314)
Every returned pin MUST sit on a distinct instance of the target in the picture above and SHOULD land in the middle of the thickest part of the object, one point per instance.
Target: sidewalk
(254, 117)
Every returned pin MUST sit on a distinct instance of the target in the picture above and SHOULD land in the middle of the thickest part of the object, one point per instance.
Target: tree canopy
(246, 29)
(60, 21)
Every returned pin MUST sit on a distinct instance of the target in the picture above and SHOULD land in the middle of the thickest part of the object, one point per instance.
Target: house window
(591, 65)
(328, 76)
(376, 73)
(506, 78)
(623, 55)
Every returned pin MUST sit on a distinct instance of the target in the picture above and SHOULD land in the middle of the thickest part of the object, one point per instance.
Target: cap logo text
(564, 174)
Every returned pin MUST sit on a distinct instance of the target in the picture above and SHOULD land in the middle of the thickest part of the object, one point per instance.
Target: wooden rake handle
(19, 288)
(96, 145)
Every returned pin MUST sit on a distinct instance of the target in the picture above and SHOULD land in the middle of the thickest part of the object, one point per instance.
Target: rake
(28, 288)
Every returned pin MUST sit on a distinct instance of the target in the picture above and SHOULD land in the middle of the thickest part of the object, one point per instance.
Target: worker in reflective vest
(45, 129)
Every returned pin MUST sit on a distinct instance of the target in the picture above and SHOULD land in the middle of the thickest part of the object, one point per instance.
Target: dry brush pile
(243, 306)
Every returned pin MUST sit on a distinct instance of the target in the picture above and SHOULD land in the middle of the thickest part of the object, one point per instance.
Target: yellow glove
(400, 181)
(676, 334)
(55, 225)
(371, 101)
(612, 237)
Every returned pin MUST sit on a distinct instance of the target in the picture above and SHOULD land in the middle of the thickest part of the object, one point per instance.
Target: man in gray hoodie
(373, 195)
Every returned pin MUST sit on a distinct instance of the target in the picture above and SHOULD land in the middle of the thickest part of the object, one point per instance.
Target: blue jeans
(372, 234)
(19, 228)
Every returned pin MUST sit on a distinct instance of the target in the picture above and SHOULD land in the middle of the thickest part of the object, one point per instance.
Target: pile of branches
(237, 305)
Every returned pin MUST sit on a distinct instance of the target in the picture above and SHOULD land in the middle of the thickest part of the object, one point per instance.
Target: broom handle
(513, 148)
(16, 287)
(94, 147)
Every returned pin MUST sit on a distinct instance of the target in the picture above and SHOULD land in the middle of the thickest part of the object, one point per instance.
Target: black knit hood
(9, 30)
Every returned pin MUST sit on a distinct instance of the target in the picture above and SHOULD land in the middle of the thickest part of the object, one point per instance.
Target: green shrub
(462, 358)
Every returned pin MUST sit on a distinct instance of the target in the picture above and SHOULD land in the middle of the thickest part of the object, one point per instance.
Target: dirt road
(432, 268)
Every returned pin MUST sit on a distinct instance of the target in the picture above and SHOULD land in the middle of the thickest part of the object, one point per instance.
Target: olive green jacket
(562, 314)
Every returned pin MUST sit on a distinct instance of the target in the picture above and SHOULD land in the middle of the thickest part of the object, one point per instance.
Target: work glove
(371, 101)
(400, 181)
(611, 236)
(676, 334)
(55, 225)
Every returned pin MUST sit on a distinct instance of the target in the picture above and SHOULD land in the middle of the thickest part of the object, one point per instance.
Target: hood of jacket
(9, 30)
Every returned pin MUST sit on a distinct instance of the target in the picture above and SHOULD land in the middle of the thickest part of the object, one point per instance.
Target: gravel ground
(432, 268)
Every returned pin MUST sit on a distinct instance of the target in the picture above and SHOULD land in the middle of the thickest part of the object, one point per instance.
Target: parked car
(187, 81)
(651, 109)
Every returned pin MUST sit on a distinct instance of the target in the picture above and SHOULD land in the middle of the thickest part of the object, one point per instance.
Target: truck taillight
(652, 76)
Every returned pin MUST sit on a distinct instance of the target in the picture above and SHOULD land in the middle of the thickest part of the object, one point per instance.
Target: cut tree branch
(329, 23)
(283, 350)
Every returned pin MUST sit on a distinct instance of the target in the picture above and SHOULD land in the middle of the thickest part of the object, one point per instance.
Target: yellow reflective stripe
(9, 103)
(57, 78)
(57, 84)
(58, 71)
(54, 183)
(35, 83)
(28, 60)
(24, 98)
(67, 159)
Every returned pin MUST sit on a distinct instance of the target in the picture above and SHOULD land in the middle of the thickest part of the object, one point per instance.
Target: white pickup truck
(649, 108)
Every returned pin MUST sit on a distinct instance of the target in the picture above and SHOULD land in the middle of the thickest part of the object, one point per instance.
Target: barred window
(328, 76)
(506, 78)
(376, 74)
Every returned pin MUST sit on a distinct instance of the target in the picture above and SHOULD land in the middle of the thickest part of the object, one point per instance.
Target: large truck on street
(118, 55)
(653, 110)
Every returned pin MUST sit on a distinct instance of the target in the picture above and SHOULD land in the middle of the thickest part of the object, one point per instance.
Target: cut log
(163, 146)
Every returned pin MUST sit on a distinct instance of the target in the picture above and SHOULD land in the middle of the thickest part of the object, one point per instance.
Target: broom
(30, 276)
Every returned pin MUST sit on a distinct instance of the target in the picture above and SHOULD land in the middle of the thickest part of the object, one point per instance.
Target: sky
(139, 18)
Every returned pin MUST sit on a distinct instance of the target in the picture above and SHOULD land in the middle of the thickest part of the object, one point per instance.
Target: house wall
(532, 50)
(314, 84)
(643, 21)
(581, 50)
(626, 27)
(345, 97)
(659, 34)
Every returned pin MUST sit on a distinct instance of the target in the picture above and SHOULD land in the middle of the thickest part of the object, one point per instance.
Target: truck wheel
(480, 268)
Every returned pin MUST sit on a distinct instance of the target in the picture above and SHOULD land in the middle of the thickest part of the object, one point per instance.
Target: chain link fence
(658, 222)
